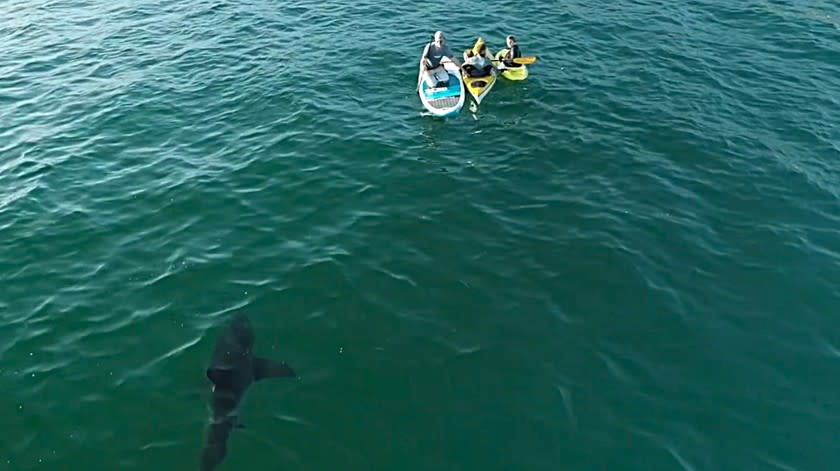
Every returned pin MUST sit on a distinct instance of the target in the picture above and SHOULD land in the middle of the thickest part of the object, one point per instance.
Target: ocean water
(629, 261)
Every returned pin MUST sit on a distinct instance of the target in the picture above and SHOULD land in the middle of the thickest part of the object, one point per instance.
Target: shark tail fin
(267, 368)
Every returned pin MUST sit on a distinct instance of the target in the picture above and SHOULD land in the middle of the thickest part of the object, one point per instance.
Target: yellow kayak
(514, 71)
(479, 87)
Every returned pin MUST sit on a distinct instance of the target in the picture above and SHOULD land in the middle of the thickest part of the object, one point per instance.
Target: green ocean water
(629, 261)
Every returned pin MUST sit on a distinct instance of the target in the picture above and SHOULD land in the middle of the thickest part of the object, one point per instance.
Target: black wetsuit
(512, 54)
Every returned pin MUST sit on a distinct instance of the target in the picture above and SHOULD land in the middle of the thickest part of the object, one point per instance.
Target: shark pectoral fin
(266, 368)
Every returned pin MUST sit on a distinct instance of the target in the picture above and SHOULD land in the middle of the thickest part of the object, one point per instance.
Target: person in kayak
(512, 53)
(477, 61)
(431, 64)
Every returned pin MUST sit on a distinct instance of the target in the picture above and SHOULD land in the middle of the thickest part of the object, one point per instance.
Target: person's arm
(448, 54)
(423, 66)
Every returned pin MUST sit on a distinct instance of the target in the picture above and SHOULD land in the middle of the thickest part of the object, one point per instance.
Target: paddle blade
(525, 60)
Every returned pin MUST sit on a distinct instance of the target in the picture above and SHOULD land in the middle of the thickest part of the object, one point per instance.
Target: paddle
(525, 60)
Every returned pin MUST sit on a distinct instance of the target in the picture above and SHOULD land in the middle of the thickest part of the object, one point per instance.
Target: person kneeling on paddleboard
(477, 61)
(512, 53)
(434, 73)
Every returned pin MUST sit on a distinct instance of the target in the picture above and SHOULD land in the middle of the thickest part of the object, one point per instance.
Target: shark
(232, 370)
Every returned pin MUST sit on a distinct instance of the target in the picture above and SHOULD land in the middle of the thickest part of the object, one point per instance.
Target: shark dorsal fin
(266, 368)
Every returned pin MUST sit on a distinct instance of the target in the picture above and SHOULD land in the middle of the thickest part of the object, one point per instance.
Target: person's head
(511, 41)
(439, 38)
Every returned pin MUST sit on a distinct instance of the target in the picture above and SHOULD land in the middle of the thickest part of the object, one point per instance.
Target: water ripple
(636, 247)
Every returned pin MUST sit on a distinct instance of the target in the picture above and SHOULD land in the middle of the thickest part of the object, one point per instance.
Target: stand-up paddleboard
(443, 101)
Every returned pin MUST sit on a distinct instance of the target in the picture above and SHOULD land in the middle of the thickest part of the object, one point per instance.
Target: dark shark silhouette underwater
(233, 369)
